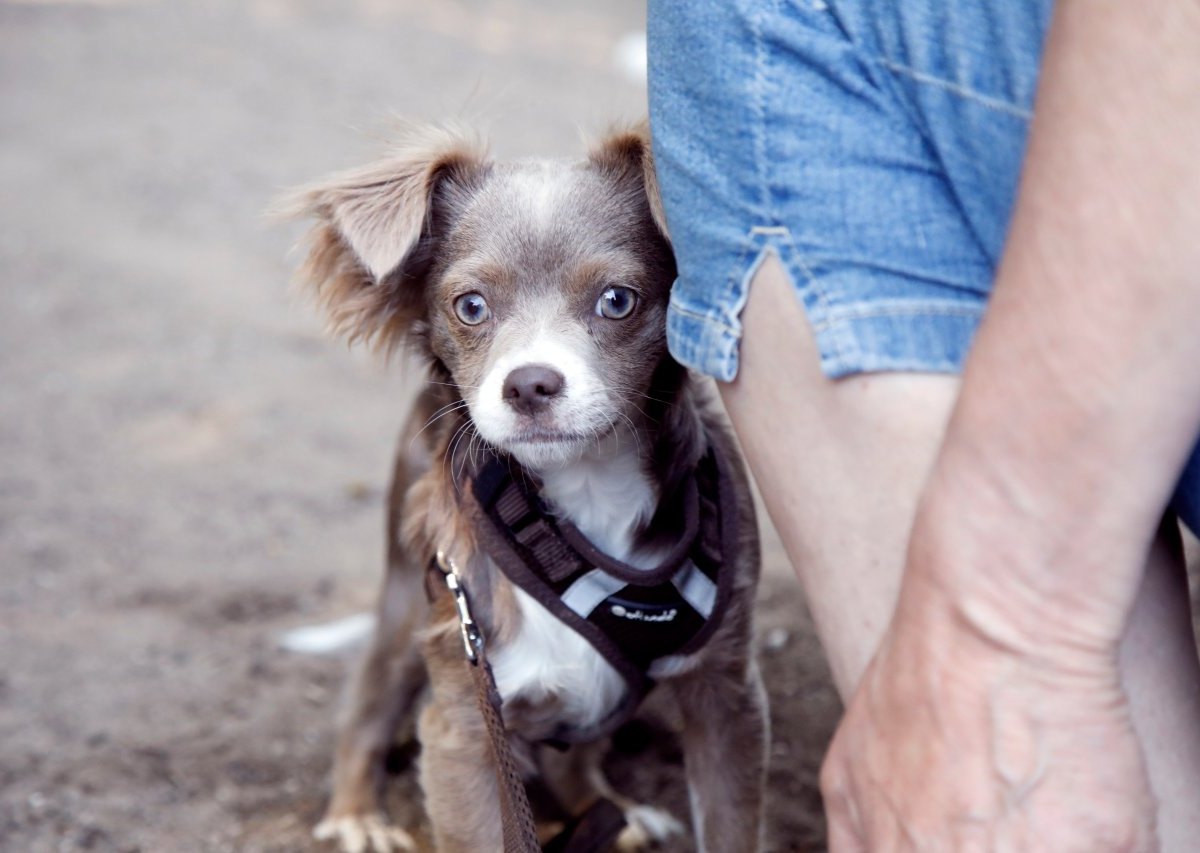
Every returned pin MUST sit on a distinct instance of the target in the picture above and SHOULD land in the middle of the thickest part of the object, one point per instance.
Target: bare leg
(842, 490)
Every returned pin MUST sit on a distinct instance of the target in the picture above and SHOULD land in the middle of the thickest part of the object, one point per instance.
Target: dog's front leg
(387, 688)
(458, 775)
(725, 743)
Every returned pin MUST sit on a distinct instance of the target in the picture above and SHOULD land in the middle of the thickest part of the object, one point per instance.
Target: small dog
(536, 292)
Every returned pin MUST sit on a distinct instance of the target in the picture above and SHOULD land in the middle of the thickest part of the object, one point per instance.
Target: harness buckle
(472, 638)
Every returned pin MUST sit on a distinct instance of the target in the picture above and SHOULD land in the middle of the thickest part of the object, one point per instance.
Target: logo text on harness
(642, 615)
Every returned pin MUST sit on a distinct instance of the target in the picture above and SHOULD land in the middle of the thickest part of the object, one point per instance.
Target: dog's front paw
(647, 826)
(363, 833)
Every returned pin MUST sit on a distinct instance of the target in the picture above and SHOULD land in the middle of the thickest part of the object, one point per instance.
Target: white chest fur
(606, 496)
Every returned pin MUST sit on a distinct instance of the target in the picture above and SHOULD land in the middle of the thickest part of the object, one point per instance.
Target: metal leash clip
(471, 636)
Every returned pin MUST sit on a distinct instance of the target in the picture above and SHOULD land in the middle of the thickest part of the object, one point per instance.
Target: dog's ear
(371, 244)
(627, 152)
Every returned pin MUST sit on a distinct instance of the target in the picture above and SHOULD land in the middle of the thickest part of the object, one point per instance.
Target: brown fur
(393, 244)
(370, 220)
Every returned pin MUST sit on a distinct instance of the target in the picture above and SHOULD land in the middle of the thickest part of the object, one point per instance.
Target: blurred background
(189, 468)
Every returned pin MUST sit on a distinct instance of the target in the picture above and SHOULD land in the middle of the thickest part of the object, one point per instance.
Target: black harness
(633, 617)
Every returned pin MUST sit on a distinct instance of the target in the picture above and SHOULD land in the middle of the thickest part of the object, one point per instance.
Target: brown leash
(516, 816)
(591, 832)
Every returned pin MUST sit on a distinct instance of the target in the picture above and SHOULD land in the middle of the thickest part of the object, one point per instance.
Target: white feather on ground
(330, 638)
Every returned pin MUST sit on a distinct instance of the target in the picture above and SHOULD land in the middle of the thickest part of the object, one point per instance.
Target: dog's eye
(472, 309)
(616, 303)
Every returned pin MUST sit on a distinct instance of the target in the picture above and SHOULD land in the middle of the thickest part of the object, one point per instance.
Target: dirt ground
(188, 467)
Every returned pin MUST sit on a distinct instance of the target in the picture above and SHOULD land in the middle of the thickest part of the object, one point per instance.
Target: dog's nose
(530, 388)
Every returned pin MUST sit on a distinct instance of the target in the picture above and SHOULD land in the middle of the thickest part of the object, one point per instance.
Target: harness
(632, 617)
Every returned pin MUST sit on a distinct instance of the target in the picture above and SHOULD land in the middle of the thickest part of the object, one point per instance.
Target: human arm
(993, 708)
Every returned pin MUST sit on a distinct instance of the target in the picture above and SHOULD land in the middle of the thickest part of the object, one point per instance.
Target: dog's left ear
(628, 152)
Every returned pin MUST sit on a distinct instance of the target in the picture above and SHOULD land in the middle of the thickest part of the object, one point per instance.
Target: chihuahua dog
(585, 484)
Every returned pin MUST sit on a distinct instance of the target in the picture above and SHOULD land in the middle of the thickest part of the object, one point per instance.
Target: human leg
(839, 463)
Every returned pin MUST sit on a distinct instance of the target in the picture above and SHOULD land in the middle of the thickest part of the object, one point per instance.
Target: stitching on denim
(886, 309)
(822, 305)
(746, 274)
(709, 353)
(736, 276)
(852, 314)
(678, 308)
(795, 258)
(811, 278)
(760, 109)
(909, 363)
(758, 238)
(834, 17)
(996, 104)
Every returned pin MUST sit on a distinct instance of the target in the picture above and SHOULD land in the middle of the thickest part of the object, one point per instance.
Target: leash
(593, 831)
(516, 816)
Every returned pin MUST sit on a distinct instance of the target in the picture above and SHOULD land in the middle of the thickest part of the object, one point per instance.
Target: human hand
(954, 742)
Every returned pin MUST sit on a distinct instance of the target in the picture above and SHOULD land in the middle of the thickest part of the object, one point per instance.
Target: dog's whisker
(641, 411)
(454, 384)
(446, 407)
(634, 431)
(652, 398)
(612, 427)
(466, 436)
(600, 433)
(471, 434)
(473, 448)
(455, 440)
(445, 410)
(625, 398)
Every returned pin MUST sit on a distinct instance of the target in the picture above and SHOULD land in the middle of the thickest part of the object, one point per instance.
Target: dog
(535, 293)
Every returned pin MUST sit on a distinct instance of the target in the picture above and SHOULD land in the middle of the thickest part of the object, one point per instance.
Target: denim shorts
(874, 146)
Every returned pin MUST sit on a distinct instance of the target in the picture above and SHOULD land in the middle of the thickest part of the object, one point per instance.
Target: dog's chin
(544, 450)
(546, 441)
